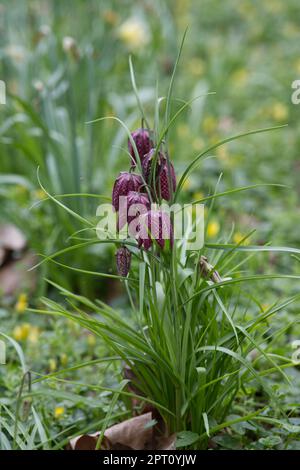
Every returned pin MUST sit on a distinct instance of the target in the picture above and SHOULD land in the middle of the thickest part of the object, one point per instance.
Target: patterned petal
(143, 144)
(123, 259)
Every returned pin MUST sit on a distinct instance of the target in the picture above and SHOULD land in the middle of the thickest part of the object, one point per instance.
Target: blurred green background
(67, 65)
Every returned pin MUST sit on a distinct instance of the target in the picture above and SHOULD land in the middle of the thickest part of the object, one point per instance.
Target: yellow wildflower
(297, 66)
(21, 332)
(279, 112)
(63, 359)
(52, 365)
(186, 185)
(59, 411)
(209, 124)
(39, 194)
(22, 303)
(198, 195)
(213, 228)
(133, 33)
(239, 77)
(238, 237)
(91, 340)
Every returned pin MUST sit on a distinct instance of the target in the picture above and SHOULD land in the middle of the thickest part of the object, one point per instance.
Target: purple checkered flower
(162, 170)
(138, 204)
(125, 183)
(164, 186)
(143, 144)
(155, 225)
(123, 259)
(135, 205)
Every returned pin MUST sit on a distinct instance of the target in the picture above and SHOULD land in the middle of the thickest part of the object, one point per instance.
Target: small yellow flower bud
(59, 411)
(91, 340)
(213, 229)
(63, 359)
(52, 365)
(21, 332)
(22, 303)
(238, 237)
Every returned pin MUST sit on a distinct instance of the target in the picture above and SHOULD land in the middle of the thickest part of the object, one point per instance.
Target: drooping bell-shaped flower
(123, 260)
(166, 180)
(134, 205)
(148, 165)
(160, 170)
(125, 183)
(156, 226)
(143, 144)
(137, 204)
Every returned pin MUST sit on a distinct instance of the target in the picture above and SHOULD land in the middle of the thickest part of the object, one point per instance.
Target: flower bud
(165, 186)
(143, 144)
(125, 183)
(162, 171)
(147, 165)
(123, 259)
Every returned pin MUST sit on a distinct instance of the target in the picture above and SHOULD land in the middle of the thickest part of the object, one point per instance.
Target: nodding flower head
(166, 184)
(123, 259)
(125, 183)
(143, 144)
(147, 164)
(159, 172)
(139, 204)
(156, 226)
(135, 205)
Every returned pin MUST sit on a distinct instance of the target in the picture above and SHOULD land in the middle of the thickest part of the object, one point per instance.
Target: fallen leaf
(166, 442)
(137, 433)
(11, 238)
(14, 276)
(2, 256)
(88, 442)
(133, 432)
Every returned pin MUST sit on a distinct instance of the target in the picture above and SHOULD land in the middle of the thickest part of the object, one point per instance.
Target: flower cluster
(136, 197)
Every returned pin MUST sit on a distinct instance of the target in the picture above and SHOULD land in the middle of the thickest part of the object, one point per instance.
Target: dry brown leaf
(84, 442)
(15, 276)
(88, 442)
(11, 238)
(2, 256)
(132, 434)
(166, 442)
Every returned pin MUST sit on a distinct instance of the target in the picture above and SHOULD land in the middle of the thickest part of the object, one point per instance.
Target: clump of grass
(192, 341)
